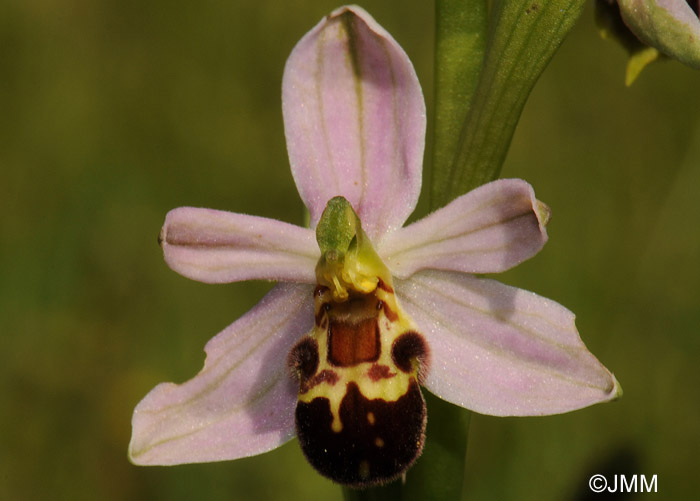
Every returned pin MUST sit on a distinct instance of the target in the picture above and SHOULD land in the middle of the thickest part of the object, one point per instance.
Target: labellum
(360, 416)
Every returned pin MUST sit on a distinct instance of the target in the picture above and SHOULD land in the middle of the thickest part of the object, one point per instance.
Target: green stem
(460, 42)
(439, 473)
(382, 493)
(481, 85)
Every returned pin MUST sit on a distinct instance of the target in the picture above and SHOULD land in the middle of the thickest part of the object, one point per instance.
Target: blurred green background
(113, 112)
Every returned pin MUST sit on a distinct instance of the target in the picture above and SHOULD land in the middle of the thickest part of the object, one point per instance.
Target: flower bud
(671, 26)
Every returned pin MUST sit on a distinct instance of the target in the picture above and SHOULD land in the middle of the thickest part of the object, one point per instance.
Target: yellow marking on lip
(387, 389)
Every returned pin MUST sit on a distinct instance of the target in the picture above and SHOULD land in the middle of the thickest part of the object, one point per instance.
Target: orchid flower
(366, 309)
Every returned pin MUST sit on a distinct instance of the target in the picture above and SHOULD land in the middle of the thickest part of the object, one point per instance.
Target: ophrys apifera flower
(365, 310)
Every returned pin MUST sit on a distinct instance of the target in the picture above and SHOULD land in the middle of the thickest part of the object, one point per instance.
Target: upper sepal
(354, 119)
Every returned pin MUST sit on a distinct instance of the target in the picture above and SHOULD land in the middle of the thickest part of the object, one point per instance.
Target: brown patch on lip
(356, 307)
(322, 313)
(391, 315)
(383, 286)
(325, 376)
(408, 348)
(303, 359)
(351, 343)
(366, 451)
(319, 291)
(353, 330)
(379, 371)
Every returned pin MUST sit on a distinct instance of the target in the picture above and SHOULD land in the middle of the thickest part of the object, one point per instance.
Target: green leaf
(523, 36)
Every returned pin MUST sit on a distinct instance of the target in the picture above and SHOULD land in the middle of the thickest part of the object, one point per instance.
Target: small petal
(354, 119)
(216, 246)
(488, 230)
(242, 402)
(500, 350)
